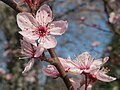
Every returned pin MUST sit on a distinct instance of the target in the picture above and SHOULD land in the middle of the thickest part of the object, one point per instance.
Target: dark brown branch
(13, 5)
(60, 68)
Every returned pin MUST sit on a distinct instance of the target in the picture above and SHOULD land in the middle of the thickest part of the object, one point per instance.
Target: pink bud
(82, 18)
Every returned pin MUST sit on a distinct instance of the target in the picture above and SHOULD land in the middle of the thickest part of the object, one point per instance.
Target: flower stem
(86, 82)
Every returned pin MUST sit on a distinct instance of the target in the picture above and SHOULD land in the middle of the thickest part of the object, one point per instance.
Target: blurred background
(89, 30)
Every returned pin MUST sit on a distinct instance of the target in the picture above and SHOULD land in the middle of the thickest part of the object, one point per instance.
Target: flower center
(33, 53)
(41, 31)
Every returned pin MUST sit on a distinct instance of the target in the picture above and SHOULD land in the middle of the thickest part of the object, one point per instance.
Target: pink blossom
(82, 18)
(31, 52)
(41, 28)
(8, 76)
(96, 43)
(98, 74)
(84, 63)
(52, 71)
(2, 71)
(114, 17)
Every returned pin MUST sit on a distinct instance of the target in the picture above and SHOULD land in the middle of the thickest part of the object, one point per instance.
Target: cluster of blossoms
(39, 34)
(83, 65)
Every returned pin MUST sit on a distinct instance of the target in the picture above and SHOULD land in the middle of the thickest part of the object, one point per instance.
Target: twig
(99, 28)
(86, 82)
(13, 5)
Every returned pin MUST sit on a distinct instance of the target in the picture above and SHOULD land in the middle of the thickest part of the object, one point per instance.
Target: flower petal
(43, 18)
(85, 59)
(39, 51)
(103, 77)
(58, 27)
(50, 71)
(99, 62)
(88, 88)
(46, 8)
(75, 82)
(26, 48)
(33, 42)
(26, 21)
(29, 34)
(28, 66)
(50, 42)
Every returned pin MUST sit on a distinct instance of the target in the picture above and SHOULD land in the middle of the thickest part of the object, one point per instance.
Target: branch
(56, 62)
(107, 8)
(13, 5)
(60, 68)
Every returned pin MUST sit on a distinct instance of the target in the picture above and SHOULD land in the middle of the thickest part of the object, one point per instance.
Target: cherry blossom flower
(52, 71)
(8, 76)
(76, 82)
(31, 52)
(41, 28)
(114, 17)
(96, 43)
(2, 71)
(98, 74)
(84, 63)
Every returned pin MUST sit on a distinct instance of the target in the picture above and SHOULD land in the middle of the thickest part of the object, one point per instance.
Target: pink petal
(33, 42)
(50, 42)
(29, 34)
(26, 21)
(46, 8)
(99, 62)
(58, 27)
(85, 58)
(26, 48)
(103, 77)
(75, 82)
(25, 45)
(50, 71)
(39, 51)
(72, 64)
(64, 63)
(83, 87)
(28, 66)
(43, 18)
